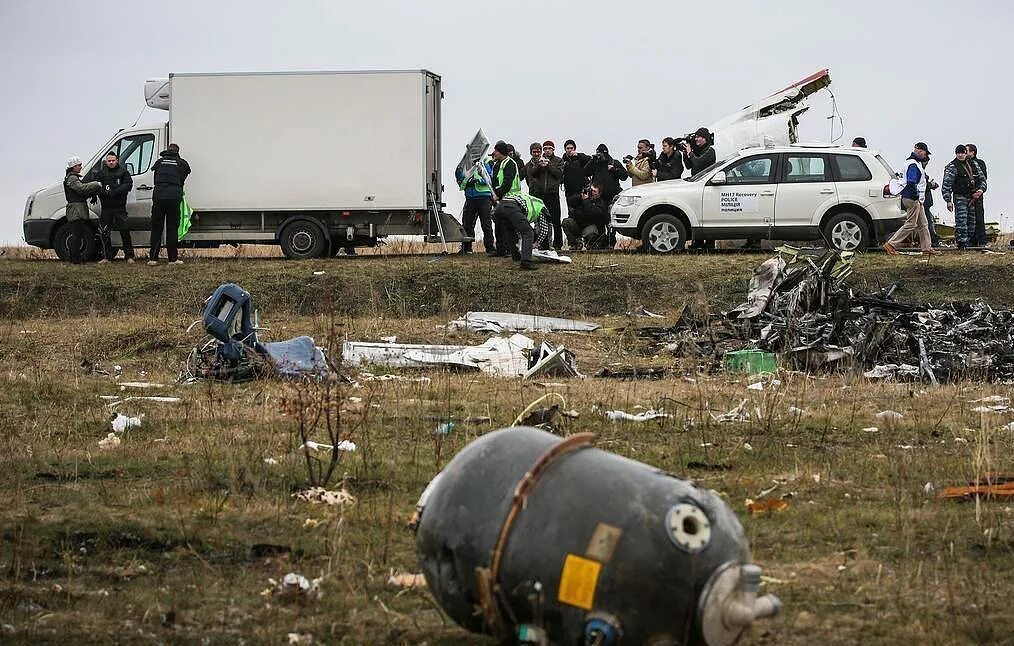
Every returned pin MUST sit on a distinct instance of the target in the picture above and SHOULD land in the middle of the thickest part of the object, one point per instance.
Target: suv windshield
(698, 176)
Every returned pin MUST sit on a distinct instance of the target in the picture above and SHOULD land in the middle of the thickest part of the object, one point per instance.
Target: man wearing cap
(606, 172)
(544, 174)
(171, 173)
(77, 194)
(520, 214)
(506, 181)
(478, 204)
(912, 197)
(859, 142)
(698, 153)
(963, 184)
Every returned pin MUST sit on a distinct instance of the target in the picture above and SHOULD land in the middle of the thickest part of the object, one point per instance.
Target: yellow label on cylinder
(578, 581)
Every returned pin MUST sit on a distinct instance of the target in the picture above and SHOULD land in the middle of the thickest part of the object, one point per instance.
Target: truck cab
(45, 221)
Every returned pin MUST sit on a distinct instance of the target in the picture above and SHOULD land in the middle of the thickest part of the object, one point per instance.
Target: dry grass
(173, 535)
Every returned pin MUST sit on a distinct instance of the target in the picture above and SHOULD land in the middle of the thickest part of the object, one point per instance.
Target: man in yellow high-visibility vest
(506, 181)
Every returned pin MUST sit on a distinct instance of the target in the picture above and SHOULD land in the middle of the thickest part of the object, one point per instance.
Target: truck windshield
(698, 176)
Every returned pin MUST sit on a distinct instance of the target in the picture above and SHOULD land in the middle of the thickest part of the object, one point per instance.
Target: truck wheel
(663, 233)
(61, 244)
(302, 240)
(847, 232)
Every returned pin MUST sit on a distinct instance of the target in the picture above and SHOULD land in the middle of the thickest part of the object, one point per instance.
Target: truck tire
(663, 233)
(302, 240)
(847, 232)
(61, 244)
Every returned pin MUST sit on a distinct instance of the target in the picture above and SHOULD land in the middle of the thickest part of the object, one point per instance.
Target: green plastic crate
(750, 361)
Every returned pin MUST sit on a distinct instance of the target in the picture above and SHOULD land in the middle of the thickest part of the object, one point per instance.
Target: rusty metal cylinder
(538, 539)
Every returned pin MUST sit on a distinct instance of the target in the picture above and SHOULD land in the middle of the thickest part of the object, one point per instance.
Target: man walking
(962, 185)
(77, 194)
(545, 173)
(116, 184)
(978, 209)
(171, 173)
(478, 205)
(912, 197)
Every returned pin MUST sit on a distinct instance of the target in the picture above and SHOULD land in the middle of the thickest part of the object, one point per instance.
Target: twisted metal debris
(803, 307)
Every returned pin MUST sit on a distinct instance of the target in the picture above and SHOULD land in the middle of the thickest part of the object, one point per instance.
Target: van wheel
(61, 244)
(847, 232)
(303, 240)
(663, 234)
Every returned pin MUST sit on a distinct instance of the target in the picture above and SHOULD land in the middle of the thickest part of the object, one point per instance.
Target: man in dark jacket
(545, 173)
(116, 185)
(589, 216)
(699, 153)
(606, 172)
(670, 163)
(171, 173)
(506, 178)
(977, 207)
(963, 185)
(574, 179)
(77, 194)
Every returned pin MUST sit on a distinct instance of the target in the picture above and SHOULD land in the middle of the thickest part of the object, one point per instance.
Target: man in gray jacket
(77, 194)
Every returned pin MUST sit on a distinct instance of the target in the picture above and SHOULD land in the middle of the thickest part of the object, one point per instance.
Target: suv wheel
(302, 240)
(61, 244)
(847, 232)
(663, 233)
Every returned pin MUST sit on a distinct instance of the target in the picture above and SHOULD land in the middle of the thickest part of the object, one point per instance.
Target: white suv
(791, 192)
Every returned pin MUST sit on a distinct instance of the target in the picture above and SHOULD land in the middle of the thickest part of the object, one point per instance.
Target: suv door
(137, 152)
(806, 191)
(744, 206)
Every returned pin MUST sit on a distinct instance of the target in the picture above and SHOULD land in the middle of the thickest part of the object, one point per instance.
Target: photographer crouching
(589, 216)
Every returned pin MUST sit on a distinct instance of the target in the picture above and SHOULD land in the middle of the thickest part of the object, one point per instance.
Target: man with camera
(670, 163)
(545, 173)
(698, 151)
(606, 172)
(589, 215)
(640, 168)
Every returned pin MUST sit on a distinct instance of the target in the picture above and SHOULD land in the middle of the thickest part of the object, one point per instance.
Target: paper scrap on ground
(122, 422)
(549, 255)
(344, 445)
(623, 416)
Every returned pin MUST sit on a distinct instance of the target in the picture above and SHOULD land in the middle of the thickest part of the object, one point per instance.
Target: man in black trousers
(171, 173)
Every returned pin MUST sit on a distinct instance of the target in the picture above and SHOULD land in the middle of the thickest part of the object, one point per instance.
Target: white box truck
(311, 161)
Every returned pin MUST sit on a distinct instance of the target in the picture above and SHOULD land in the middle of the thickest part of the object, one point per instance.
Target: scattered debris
(138, 384)
(405, 580)
(761, 507)
(296, 587)
(389, 339)
(634, 372)
(889, 416)
(795, 411)
(270, 461)
(550, 255)
(871, 429)
(645, 313)
(116, 400)
(121, 422)
(300, 639)
(541, 416)
(572, 414)
(989, 486)
(477, 419)
(928, 488)
(737, 414)
(321, 496)
(233, 352)
(110, 441)
(646, 416)
(368, 376)
(343, 445)
(497, 356)
(501, 322)
(709, 466)
(444, 428)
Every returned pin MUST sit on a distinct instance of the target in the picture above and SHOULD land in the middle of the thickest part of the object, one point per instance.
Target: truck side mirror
(130, 168)
(718, 178)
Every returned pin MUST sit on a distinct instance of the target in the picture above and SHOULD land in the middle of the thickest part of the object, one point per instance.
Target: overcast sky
(524, 71)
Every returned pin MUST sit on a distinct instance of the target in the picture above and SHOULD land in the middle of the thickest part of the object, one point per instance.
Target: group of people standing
(110, 183)
(963, 187)
(589, 183)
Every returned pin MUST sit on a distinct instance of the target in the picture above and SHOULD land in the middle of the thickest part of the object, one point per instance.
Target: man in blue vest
(478, 205)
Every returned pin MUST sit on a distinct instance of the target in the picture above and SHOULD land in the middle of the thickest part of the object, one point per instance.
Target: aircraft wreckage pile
(803, 308)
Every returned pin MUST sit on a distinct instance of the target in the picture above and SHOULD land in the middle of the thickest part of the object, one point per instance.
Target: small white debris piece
(321, 496)
(871, 429)
(705, 445)
(572, 414)
(960, 440)
(747, 446)
(928, 488)
(992, 399)
(406, 580)
(1009, 427)
(795, 411)
(889, 417)
(310, 523)
(122, 422)
(344, 445)
(737, 414)
(297, 587)
(138, 384)
(996, 408)
(389, 339)
(758, 385)
(369, 376)
(623, 416)
(319, 273)
(271, 461)
(110, 441)
(300, 639)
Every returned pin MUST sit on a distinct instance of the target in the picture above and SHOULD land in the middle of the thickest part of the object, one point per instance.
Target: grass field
(173, 535)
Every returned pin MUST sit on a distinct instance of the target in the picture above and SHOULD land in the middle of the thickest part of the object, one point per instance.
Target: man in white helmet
(77, 194)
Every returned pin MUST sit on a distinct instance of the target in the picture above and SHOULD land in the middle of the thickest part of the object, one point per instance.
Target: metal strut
(440, 226)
